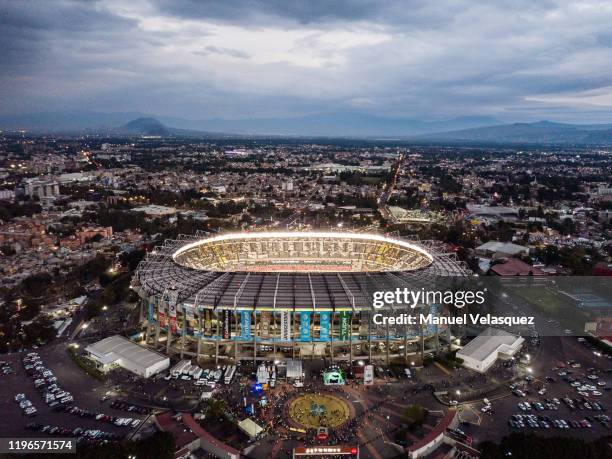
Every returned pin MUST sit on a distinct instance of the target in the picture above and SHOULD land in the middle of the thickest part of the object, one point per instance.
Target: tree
(414, 415)
(160, 445)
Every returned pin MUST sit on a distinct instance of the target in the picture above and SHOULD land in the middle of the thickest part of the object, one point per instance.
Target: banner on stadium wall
(245, 324)
(227, 324)
(345, 322)
(189, 312)
(364, 324)
(264, 324)
(324, 326)
(305, 326)
(207, 323)
(285, 334)
(172, 314)
(161, 314)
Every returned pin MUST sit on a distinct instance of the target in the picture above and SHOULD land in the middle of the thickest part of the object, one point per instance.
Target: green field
(553, 305)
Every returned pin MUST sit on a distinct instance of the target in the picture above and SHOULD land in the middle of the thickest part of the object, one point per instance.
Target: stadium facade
(275, 295)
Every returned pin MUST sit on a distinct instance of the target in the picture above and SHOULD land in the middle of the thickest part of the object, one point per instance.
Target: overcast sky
(198, 59)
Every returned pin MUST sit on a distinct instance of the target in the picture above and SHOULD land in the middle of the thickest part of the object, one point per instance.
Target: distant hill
(355, 125)
(66, 121)
(146, 126)
(541, 132)
(468, 129)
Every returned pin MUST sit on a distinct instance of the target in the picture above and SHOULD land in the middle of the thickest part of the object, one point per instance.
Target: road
(383, 199)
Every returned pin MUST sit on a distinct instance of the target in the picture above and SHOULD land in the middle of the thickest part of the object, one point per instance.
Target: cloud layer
(521, 60)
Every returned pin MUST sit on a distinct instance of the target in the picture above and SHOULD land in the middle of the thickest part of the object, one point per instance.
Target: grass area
(546, 301)
(553, 305)
(86, 365)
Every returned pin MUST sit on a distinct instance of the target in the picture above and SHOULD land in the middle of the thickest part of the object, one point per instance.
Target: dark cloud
(303, 12)
(205, 59)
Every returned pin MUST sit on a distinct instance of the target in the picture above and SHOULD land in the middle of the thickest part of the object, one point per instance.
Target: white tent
(250, 427)
(117, 350)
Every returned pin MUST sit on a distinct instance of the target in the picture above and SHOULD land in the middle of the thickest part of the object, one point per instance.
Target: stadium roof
(161, 277)
(117, 347)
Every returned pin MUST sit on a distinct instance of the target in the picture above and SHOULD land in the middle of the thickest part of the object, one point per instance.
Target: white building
(482, 352)
(41, 188)
(117, 351)
(7, 195)
(498, 249)
(153, 210)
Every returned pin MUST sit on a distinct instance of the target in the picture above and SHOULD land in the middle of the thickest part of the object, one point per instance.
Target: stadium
(275, 295)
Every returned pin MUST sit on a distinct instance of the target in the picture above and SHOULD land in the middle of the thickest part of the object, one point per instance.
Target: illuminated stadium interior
(302, 252)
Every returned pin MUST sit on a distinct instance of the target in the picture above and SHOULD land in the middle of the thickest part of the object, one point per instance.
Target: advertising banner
(324, 326)
(264, 323)
(172, 315)
(227, 324)
(161, 314)
(245, 324)
(285, 326)
(364, 325)
(345, 322)
(151, 313)
(189, 312)
(305, 326)
(207, 323)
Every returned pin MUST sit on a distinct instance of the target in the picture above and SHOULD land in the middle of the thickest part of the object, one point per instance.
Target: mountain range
(482, 130)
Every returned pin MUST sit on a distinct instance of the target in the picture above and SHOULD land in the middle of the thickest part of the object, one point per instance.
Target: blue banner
(304, 326)
(245, 324)
(324, 326)
(151, 313)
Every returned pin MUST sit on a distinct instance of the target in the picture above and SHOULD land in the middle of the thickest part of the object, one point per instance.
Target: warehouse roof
(502, 247)
(489, 341)
(117, 347)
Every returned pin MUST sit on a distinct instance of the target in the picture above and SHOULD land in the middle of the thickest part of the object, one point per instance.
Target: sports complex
(275, 295)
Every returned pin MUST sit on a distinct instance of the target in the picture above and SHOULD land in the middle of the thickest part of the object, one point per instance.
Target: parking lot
(79, 410)
(553, 403)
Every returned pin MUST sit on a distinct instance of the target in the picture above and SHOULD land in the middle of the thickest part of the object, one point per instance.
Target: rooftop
(117, 347)
(488, 342)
